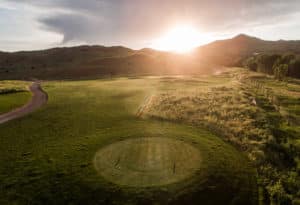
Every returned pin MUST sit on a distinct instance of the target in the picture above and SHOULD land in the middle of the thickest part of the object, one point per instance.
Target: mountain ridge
(240, 36)
(91, 61)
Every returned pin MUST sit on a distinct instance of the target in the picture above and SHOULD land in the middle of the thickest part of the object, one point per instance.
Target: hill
(99, 61)
(231, 52)
(93, 62)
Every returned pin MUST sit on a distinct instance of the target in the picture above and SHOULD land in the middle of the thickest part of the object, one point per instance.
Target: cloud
(119, 21)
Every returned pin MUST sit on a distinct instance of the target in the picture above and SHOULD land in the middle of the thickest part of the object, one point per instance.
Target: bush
(278, 195)
(10, 90)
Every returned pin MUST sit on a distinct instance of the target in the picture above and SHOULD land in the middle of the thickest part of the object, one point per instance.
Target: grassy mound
(145, 162)
(47, 156)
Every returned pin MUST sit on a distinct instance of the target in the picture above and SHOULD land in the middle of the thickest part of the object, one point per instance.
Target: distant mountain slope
(94, 62)
(53, 61)
(99, 61)
(232, 51)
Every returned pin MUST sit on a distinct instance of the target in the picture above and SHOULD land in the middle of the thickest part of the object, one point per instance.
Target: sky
(40, 24)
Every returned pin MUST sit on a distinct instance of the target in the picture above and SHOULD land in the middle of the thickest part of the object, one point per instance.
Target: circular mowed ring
(147, 161)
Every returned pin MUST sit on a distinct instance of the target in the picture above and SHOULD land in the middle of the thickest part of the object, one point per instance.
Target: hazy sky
(37, 24)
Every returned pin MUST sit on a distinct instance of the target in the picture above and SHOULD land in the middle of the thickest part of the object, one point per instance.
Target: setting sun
(180, 39)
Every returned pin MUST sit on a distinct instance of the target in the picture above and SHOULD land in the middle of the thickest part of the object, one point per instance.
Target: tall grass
(256, 113)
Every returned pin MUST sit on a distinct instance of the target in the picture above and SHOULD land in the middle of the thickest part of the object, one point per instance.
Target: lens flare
(180, 39)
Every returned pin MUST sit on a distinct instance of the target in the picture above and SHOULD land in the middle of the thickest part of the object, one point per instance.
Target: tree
(280, 66)
(266, 63)
(251, 64)
(281, 72)
(294, 68)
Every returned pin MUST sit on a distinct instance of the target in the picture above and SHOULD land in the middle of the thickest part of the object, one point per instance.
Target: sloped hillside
(231, 51)
(100, 61)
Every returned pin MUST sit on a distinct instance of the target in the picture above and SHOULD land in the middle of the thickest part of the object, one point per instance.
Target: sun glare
(180, 39)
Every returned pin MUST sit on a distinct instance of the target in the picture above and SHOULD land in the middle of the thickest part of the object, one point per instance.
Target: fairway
(88, 146)
(144, 162)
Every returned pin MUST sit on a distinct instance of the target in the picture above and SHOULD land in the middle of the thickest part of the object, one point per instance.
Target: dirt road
(39, 97)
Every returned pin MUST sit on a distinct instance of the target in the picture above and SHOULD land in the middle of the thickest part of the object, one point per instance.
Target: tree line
(281, 66)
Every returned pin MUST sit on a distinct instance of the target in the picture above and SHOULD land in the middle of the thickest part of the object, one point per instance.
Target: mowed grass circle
(147, 161)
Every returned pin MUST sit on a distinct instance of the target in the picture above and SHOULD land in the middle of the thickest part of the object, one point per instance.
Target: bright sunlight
(180, 39)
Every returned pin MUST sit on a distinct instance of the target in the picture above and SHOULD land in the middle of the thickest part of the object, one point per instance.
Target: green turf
(13, 94)
(47, 157)
(148, 161)
(9, 102)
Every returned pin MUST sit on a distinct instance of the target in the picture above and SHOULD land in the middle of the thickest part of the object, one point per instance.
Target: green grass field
(13, 94)
(48, 157)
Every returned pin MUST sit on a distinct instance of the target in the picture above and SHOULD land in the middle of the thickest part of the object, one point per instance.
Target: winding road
(39, 97)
